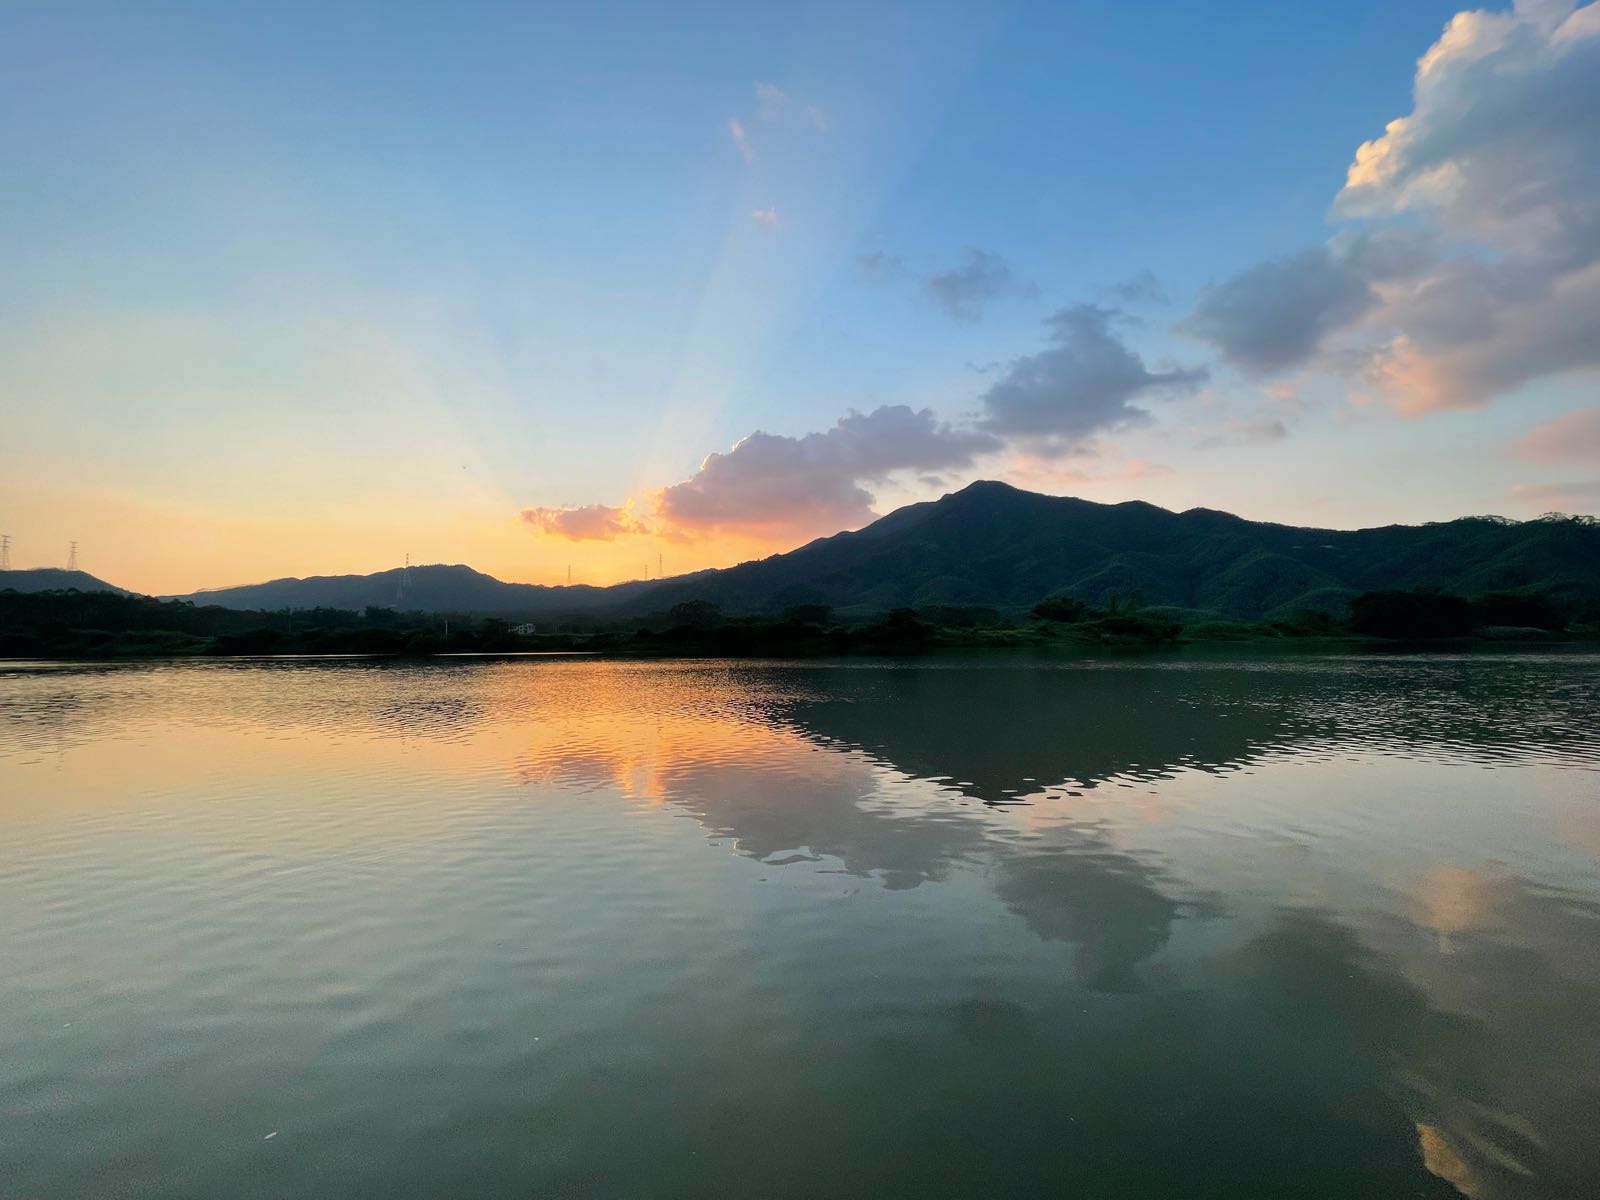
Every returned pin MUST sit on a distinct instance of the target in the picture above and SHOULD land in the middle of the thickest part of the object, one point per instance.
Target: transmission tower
(72, 556)
(5, 552)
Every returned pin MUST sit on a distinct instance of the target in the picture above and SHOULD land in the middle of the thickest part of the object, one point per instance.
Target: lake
(1186, 926)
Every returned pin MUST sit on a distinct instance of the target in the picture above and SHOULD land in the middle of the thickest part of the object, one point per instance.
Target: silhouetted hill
(53, 579)
(427, 589)
(995, 545)
(992, 544)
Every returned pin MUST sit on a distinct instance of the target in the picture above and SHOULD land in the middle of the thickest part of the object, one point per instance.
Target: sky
(296, 289)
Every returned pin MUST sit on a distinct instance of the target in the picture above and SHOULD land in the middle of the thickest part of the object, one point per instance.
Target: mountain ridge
(451, 587)
(55, 579)
(994, 545)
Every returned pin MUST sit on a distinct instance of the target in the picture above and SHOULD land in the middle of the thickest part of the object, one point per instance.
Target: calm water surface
(1296, 927)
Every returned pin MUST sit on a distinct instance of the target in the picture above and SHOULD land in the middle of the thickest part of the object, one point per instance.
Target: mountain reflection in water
(1320, 927)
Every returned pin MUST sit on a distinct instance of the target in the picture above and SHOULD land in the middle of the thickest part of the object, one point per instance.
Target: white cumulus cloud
(1470, 264)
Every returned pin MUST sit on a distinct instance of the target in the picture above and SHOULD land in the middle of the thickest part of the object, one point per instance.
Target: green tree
(693, 614)
(1516, 608)
(808, 614)
(1413, 613)
(902, 629)
(1061, 608)
(1124, 604)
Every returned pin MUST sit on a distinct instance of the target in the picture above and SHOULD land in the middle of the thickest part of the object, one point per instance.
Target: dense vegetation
(76, 624)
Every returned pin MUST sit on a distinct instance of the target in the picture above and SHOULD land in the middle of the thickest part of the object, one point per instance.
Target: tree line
(106, 625)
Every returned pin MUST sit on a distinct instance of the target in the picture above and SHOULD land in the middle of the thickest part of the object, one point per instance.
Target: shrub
(1417, 613)
(1528, 609)
(1147, 627)
(1061, 608)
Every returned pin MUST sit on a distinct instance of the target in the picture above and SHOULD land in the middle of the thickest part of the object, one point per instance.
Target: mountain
(992, 544)
(53, 579)
(995, 545)
(436, 588)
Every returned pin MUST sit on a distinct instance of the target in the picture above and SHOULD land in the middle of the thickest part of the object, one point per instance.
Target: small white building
(525, 630)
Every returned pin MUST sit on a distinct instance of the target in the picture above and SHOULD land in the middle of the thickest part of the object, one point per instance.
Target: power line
(5, 552)
(72, 556)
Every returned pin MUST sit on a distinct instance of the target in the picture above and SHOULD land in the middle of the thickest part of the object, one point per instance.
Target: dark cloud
(1275, 315)
(1387, 254)
(1083, 384)
(964, 290)
(770, 483)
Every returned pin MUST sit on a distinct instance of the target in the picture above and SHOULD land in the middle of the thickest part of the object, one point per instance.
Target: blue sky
(301, 288)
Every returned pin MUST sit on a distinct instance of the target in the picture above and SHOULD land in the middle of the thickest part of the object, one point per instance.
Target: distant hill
(52, 579)
(428, 589)
(994, 545)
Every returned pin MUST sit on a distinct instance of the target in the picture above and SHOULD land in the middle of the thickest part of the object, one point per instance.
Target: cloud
(773, 487)
(1559, 497)
(1082, 385)
(741, 140)
(1574, 437)
(1472, 331)
(1042, 408)
(1471, 264)
(772, 100)
(1244, 432)
(1277, 314)
(586, 523)
(775, 105)
(880, 267)
(765, 216)
(1142, 288)
(771, 484)
(962, 291)
(1049, 473)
